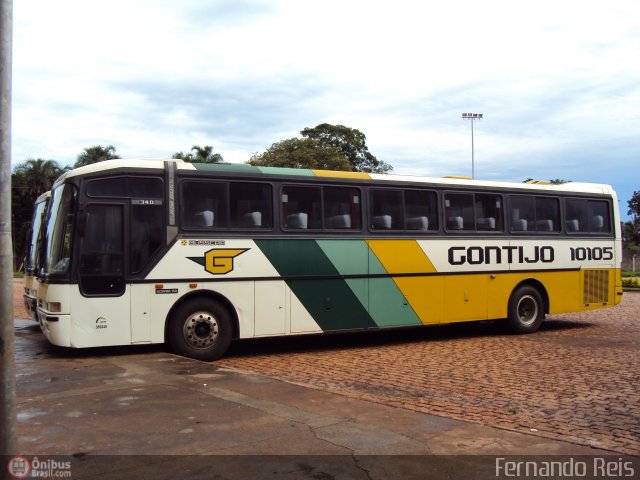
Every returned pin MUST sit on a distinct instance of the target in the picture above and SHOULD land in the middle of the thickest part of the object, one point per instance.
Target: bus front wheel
(200, 329)
(526, 309)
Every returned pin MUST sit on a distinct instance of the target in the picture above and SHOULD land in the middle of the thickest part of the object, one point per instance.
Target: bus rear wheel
(200, 329)
(526, 310)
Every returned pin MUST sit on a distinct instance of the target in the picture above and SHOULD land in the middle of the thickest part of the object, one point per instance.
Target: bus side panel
(100, 321)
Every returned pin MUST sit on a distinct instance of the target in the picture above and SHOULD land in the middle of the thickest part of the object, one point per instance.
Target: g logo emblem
(220, 260)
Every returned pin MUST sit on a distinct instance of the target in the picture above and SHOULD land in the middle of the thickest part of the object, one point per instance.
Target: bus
(200, 255)
(32, 255)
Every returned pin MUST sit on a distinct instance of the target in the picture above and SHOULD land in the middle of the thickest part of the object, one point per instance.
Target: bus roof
(242, 168)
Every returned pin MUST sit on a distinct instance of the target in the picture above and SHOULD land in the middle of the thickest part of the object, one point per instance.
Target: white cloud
(558, 82)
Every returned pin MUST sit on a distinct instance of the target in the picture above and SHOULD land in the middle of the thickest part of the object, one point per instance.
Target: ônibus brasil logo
(19, 467)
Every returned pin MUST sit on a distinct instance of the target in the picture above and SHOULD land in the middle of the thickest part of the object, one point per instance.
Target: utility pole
(472, 117)
(8, 444)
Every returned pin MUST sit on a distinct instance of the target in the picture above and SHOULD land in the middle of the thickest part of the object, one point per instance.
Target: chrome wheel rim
(527, 310)
(201, 329)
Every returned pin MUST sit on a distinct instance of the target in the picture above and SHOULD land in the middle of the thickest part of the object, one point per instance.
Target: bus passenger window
(204, 205)
(488, 211)
(575, 214)
(250, 205)
(386, 210)
(301, 207)
(459, 211)
(598, 216)
(547, 214)
(341, 208)
(420, 210)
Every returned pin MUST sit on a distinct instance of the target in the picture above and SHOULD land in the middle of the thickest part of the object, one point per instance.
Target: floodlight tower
(472, 117)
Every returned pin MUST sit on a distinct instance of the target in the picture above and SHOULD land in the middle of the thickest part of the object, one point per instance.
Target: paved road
(574, 381)
(577, 379)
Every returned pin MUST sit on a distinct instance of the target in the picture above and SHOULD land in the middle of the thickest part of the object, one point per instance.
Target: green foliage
(324, 147)
(95, 154)
(199, 155)
(351, 143)
(631, 232)
(634, 205)
(29, 180)
(630, 282)
(554, 181)
(301, 153)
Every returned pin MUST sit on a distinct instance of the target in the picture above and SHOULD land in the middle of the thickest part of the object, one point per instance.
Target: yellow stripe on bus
(424, 294)
(336, 174)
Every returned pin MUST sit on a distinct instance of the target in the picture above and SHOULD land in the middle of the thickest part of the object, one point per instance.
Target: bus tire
(200, 328)
(526, 309)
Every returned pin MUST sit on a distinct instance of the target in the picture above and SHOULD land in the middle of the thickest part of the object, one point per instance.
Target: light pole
(472, 117)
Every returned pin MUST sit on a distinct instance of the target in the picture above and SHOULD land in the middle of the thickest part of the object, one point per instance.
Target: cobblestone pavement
(577, 379)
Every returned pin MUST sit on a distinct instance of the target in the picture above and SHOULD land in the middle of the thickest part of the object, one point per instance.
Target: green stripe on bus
(387, 304)
(286, 171)
(227, 167)
(380, 296)
(330, 301)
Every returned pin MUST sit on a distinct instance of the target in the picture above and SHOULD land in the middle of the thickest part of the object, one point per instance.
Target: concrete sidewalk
(145, 401)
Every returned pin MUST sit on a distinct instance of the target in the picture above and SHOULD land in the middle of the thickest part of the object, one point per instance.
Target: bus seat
(340, 221)
(204, 218)
(251, 219)
(297, 220)
(455, 223)
(488, 223)
(382, 221)
(519, 225)
(544, 225)
(572, 225)
(598, 223)
(417, 223)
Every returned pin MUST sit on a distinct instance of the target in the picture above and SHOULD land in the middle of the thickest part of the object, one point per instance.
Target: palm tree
(35, 176)
(96, 154)
(201, 155)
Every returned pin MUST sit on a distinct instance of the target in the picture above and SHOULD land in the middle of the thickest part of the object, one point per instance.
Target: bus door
(101, 311)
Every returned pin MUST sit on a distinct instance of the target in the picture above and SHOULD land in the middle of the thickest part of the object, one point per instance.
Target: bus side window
(522, 213)
(301, 207)
(459, 211)
(547, 214)
(598, 216)
(420, 210)
(341, 208)
(204, 205)
(488, 210)
(575, 213)
(386, 209)
(250, 205)
(147, 228)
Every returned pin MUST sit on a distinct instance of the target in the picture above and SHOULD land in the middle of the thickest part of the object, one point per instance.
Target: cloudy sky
(558, 81)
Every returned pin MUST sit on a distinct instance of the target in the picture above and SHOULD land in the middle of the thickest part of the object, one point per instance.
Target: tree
(96, 154)
(351, 143)
(30, 179)
(634, 205)
(555, 181)
(301, 153)
(200, 155)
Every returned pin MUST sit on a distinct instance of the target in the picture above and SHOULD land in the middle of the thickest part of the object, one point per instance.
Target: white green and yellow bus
(34, 239)
(146, 251)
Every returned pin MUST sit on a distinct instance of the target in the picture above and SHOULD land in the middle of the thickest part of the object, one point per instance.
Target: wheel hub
(201, 329)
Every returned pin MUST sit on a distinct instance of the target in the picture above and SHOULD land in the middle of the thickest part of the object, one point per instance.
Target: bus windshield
(59, 231)
(34, 242)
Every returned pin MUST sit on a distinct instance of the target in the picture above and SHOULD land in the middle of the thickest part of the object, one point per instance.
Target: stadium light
(472, 117)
